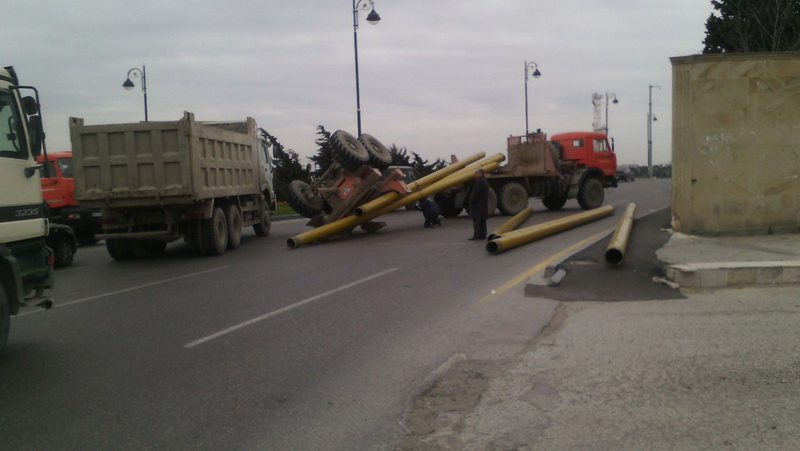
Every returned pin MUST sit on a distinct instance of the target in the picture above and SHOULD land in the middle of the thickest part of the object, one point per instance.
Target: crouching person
(430, 211)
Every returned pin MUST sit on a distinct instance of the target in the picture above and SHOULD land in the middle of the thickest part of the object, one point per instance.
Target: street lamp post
(373, 18)
(536, 74)
(650, 119)
(128, 85)
(613, 96)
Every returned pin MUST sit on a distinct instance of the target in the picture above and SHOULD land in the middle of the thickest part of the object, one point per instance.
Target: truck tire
(513, 198)
(303, 200)
(194, 236)
(234, 217)
(5, 317)
(379, 156)
(348, 151)
(447, 206)
(554, 203)
(591, 194)
(262, 228)
(119, 249)
(64, 252)
(215, 233)
(491, 202)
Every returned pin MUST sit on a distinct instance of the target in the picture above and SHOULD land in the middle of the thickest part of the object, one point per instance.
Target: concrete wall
(736, 143)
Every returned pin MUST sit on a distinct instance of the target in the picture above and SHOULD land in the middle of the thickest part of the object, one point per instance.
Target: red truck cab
(58, 191)
(588, 150)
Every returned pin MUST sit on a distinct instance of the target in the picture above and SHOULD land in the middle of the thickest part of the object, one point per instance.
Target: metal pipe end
(492, 247)
(292, 243)
(358, 211)
(491, 237)
(614, 256)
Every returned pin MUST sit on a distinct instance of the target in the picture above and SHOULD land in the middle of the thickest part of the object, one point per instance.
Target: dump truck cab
(588, 150)
(25, 260)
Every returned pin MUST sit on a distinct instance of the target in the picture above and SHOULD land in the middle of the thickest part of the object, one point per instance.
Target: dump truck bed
(163, 163)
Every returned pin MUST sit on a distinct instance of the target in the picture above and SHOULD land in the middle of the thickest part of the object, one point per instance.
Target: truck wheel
(303, 200)
(491, 202)
(64, 252)
(591, 194)
(554, 203)
(234, 217)
(379, 156)
(194, 236)
(5, 317)
(447, 206)
(513, 198)
(119, 249)
(348, 151)
(262, 228)
(215, 233)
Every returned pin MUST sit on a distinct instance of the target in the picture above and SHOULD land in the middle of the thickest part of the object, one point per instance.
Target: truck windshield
(66, 167)
(12, 136)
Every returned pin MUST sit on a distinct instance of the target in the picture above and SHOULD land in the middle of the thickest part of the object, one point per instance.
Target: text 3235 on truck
(575, 165)
(26, 263)
(157, 182)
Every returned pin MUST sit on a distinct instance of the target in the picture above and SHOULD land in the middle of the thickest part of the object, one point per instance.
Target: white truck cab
(25, 261)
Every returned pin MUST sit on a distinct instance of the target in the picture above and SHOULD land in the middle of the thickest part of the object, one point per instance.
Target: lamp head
(536, 73)
(655, 119)
(128, 85)
(373, 18)
(615, 101)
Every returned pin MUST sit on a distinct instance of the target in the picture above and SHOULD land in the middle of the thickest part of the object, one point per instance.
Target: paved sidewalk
(629, 364)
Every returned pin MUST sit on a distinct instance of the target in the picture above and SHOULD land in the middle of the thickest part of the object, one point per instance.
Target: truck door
(604, 158)
(21, 214)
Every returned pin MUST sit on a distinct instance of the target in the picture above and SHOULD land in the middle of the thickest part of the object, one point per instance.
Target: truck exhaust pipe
(388, 198)
(342, 225)
(511, 224)
(615, 252)
(522, 236)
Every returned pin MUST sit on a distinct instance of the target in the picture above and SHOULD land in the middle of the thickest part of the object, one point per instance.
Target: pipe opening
(614, 256)
(492, 247)
(292, 243)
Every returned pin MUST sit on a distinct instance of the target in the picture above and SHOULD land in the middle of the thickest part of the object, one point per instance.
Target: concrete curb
(725, 274)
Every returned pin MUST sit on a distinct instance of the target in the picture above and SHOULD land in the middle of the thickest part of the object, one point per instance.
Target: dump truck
(360, 172)
(575, 165)
(156, 182)
(26, 263)
(58, 190)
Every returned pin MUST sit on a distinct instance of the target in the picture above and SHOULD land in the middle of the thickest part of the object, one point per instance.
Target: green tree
(324, 157)
(753, 26)
(287, 167)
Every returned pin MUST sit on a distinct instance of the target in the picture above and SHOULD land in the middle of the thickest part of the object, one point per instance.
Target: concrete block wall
(736, 143)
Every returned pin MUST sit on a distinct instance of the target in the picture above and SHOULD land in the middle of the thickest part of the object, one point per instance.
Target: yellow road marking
(541, 266)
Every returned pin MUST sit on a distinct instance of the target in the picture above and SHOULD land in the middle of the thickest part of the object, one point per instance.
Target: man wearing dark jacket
(479, 205)
(430, 211)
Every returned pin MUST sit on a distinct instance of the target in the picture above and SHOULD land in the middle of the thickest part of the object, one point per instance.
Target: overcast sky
(438, 77)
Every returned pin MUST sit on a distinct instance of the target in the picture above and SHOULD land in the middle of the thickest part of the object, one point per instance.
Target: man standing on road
(479, 205)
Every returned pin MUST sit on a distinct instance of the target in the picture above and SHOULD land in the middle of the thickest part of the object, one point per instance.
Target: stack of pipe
(441, 180)
(519, 237)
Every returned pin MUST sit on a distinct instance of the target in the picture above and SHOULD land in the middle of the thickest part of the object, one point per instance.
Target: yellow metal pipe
(390, 197)
(522, 236)
(511, 224)
(347, 223)
(615, 252)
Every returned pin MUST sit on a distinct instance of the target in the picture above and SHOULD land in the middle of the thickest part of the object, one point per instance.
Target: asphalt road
(321, 347)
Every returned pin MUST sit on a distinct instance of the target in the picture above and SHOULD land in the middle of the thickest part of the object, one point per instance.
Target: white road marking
(285, 309)
(125, 290)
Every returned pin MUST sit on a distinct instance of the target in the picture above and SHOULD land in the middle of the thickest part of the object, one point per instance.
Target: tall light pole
(128, 85)
(613, 96)
(373, 18)
(536, 74)
(650, 119)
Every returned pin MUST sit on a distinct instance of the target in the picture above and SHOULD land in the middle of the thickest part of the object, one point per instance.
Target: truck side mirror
(36, 131)
(30, 106)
